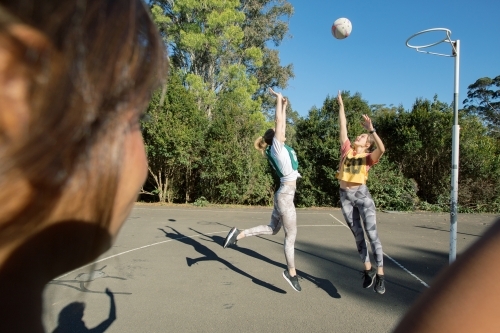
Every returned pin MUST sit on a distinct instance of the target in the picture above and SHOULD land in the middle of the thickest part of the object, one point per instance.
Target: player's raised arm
(284, 105)
(377, 153)
(342, 120)
(279, 119)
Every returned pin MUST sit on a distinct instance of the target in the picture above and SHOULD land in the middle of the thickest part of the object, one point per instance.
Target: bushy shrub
(390, 189)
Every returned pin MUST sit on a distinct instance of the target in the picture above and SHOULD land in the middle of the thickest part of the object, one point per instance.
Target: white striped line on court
(158, 243)
(407, 271)
(218, 232)
(225, 211)
(397, 263)
(339, 221)
(319, 225)
(132, 250)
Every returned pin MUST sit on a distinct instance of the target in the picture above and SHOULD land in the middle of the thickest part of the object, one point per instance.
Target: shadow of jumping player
(324, 284)
(70, 318)
(209, 255)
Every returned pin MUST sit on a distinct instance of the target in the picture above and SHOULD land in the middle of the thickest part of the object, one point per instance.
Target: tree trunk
(165, 191)
(188, 183)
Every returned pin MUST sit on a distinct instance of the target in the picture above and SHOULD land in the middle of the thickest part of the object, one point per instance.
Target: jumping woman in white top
(284, 161)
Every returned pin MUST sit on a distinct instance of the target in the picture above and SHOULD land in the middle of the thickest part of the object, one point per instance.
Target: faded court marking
(397, 263)
(84, 278)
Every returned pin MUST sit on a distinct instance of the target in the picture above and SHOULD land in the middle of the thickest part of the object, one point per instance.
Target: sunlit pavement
(169, 273)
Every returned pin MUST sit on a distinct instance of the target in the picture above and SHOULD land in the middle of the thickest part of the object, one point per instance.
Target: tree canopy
(200, 127)
(483, 99)
(221, 46)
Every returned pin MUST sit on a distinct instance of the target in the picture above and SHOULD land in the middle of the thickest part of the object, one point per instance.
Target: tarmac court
(168, 272)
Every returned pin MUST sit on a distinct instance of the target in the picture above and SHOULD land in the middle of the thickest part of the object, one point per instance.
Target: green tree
(215, 43)
(173, 134)
(419, 143)
(222, 49)
(233, 171)
(266, 23)
(318, 148)
(479, 170)
(483, 99)
(390, 189)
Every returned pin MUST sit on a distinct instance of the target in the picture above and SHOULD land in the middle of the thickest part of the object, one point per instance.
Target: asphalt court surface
(169, 272)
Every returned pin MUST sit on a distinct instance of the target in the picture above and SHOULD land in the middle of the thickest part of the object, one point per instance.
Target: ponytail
(260, 144)
(263, 141)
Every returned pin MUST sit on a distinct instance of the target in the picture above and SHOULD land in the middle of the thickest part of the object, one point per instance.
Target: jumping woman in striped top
(357, 203)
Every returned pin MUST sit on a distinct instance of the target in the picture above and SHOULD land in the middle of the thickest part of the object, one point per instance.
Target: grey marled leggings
(283, 214)
(359, 203)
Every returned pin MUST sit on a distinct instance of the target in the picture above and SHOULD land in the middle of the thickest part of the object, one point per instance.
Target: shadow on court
(156, 255)
(71, 318)
(447, 231)
(324, 284)
(209, 255)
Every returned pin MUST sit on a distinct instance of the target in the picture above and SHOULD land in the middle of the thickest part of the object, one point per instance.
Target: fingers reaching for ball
(277, 95)
(367, 123)
(339, 98)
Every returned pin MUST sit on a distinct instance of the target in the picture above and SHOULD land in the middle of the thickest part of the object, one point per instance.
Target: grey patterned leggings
(359, 203)
(283, 214)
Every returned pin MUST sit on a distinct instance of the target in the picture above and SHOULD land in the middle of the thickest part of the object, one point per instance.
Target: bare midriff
(348, 185)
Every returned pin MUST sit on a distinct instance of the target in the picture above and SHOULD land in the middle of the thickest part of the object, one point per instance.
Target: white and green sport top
(283, 160)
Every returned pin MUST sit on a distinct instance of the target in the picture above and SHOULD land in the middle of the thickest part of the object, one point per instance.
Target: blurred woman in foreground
(75, 76)
(464, 297)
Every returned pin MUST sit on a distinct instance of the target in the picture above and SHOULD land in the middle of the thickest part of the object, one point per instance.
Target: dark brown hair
(103, 58)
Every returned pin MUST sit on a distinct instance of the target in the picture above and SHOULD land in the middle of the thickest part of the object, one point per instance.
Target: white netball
(341, 28)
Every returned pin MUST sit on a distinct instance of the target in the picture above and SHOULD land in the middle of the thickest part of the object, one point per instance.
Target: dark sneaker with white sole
(368, 277)
(379, 286)
(292, 280)
(231, 237)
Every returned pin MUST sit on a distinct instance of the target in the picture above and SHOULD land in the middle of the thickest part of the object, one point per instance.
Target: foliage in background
(483, 100)
(221, 46)
(266, 23)
(418, 143)
(479, 170)
(174, 137)
(319, 154)
(390, 189)
(199, 132)
(233, 170)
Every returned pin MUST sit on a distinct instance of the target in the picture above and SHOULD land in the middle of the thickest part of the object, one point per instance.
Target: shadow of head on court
(71, 318)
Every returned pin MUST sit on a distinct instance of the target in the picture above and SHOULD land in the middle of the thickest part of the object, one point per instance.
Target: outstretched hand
(367, 123)
(277, 95)
(339, 98)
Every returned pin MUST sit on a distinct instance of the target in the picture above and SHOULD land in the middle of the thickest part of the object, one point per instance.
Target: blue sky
(375, 61)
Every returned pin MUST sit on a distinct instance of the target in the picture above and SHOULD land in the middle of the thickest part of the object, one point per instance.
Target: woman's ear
(367, 142)
(15, 69)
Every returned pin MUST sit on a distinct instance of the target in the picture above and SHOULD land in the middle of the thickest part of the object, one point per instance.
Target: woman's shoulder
(346, 144)
(277, 144)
